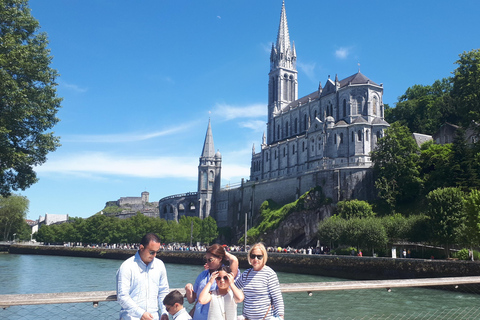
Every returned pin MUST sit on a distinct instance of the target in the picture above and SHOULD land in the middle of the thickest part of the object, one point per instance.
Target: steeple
(209, 177)
(282, 54)
(282, 78)
(208, 148)
(283, 38)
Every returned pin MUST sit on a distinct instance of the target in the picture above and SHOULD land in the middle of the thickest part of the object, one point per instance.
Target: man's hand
(147, 316)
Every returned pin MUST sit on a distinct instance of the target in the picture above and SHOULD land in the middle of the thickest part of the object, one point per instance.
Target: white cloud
(256, 125)
(233, 174)
(123, 137)
(342, 53)
(308, 69)
(72, 87)
(97, 164)
(229, 112)
(267, 47)
(168, 79)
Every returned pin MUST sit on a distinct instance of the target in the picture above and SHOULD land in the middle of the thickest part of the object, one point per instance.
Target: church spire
(208, 148)
(283, 38)
(282, 78)
(283, 55)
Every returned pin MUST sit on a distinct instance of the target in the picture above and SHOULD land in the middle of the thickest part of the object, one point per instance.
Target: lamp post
(246, 228)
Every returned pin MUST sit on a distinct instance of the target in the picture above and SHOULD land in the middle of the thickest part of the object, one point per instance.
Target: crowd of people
(202, 248)
(143, 291)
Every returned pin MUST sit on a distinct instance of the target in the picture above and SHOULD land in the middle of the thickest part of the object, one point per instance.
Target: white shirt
(222, 306)
(141, 287)
(182, 315)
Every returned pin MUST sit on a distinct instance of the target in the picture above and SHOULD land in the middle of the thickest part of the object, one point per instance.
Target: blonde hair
(260, 246)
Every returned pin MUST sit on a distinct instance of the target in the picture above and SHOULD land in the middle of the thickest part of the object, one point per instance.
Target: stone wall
(348, 267)
(338, 184)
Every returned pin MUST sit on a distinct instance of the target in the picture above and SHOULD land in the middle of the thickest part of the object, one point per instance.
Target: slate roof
(380, 121)
(357, 78)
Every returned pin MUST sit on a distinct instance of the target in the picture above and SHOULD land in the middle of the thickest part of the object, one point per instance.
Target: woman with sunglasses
(263, 298)
(223, 301)
(215, 257)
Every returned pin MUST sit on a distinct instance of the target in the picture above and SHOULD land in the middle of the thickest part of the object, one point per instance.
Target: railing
(180, 195)
(78, 305)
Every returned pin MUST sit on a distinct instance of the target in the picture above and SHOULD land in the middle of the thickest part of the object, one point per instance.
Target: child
(173, 302)
(223, 301)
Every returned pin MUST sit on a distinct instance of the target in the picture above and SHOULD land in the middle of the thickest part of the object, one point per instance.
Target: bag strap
(267, 312)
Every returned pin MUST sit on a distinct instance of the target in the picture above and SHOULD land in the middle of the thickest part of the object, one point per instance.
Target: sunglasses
(220, 278)
(210, 259)
(258, 256)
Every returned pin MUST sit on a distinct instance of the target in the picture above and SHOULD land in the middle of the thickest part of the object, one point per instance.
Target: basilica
(335, 126)
(322, 139)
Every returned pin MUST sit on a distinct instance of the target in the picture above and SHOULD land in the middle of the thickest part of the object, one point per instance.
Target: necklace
(221, 303)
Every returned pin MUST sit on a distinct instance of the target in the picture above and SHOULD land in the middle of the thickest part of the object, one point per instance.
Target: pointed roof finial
(283, 37)
(208, 148)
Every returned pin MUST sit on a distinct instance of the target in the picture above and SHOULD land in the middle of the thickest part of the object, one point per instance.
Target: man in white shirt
(142, 283)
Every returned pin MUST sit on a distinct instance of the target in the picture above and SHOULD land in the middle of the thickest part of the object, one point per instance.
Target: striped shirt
(261, 289)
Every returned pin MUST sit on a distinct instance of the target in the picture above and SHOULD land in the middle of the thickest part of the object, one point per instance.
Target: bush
(345, 251)
(462, 254)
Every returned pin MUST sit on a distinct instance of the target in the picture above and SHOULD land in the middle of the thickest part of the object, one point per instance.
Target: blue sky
(140, 79)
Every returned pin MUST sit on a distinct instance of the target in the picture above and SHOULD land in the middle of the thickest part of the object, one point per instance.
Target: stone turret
(209, 176)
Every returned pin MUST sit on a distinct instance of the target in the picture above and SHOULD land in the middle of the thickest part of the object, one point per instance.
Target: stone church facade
(323, 139)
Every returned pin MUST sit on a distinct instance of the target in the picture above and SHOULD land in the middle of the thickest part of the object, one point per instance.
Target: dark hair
(173, 297)
(225, 268)
(218, 251)
(148, 238)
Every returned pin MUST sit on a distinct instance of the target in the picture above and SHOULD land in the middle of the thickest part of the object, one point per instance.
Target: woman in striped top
(263, 299)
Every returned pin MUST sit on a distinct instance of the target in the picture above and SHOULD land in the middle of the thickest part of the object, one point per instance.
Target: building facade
(338, 125)
(322, 139)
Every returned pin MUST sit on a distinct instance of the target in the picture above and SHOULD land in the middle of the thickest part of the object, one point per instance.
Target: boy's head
(173, 302)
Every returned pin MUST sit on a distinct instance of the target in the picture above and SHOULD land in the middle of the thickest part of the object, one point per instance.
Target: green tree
(330, 230)
(396, 227)
(190, 229)
(13, 211)
(209, 230)
(423, 108)
(160, 227)
(435, 165)
(367, 232)
(354, 209)
(446, 213)
(462, 168)
(472, 210)
(466, 86)
(396, 167)
(28, 98)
